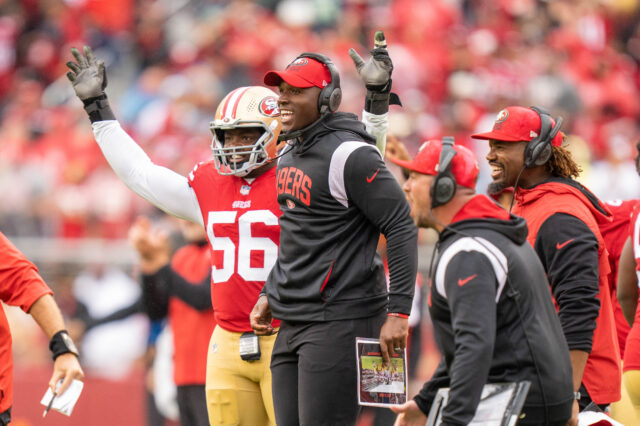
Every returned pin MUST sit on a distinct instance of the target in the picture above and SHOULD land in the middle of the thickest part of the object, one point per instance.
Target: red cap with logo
(302, 72)
(515, 124)
(464, 166)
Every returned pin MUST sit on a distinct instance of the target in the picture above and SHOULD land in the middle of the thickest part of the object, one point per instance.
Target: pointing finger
(379, 41)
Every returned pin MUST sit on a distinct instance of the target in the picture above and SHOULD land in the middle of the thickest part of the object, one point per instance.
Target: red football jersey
(632, 355)
(242, 222)
(615, 234)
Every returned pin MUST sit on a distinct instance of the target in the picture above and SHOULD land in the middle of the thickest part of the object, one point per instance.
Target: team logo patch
(502, 115)
(500, 118)
(244, 189)
(269, 107)
(300, 62)
(291, 204)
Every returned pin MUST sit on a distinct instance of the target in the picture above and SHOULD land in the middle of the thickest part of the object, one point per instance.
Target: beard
(496, 188)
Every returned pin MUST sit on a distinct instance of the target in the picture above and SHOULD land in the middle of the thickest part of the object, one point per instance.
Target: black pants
(192, 404)
(314, 374)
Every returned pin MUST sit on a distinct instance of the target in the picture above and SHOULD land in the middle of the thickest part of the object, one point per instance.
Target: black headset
(331, 94)
(538, 150)
(444, 185)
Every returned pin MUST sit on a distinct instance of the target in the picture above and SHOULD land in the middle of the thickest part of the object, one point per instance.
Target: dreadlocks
(561, 164)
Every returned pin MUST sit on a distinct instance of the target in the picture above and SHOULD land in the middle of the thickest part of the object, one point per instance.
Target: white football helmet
(246, 107)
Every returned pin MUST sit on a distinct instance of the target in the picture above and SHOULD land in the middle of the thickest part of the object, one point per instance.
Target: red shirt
(241, 219)
(615, 234)
(20, 285)
(191, 328)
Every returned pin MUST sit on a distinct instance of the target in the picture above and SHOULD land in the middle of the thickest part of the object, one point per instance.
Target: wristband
(395, 314)
(61, 344)
(577, 396)
(98, 108)
(377, 101)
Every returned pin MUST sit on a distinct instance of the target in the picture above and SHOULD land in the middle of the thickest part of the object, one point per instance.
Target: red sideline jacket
(564, 220)
(20, 285)
(191, 328)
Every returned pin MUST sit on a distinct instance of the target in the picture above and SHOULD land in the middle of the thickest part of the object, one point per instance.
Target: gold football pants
(238, 391)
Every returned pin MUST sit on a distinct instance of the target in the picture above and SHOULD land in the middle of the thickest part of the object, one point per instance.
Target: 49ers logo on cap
(269, 107)
(500, 118)
(299, 62)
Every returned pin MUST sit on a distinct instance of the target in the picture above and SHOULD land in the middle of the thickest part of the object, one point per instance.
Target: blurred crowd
(457, 63)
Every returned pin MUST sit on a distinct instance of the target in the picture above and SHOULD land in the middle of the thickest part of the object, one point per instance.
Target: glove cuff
(98, 108)
(378, 103)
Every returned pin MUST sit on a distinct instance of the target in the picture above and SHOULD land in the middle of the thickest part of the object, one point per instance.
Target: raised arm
(376, 75)
(162, 187)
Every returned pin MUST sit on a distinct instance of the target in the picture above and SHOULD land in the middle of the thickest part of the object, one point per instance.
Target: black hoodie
(493, 318)
(336, 197)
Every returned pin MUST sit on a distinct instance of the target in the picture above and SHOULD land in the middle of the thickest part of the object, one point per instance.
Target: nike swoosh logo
(370, 179)
(466, 280)
(559, 246)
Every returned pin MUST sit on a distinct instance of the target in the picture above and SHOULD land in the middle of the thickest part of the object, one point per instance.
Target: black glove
(89, 79)
(376, 75)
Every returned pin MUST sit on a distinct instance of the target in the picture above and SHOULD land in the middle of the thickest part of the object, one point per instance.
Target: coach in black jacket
(328, 285)
(489, 299)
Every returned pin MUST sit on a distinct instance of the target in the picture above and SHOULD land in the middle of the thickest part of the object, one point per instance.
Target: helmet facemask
(223, 157)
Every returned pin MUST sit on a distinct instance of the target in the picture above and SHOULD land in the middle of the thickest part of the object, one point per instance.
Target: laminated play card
(380, 385)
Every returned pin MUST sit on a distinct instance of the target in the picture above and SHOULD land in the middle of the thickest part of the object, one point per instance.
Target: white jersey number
(246, 244)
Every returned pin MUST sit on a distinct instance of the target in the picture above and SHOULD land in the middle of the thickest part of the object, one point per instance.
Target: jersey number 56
(246, 244)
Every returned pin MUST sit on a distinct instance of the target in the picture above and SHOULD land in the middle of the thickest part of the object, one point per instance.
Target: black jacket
(336, 196)
(494, 320)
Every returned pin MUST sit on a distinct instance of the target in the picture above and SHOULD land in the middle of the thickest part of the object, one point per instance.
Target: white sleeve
(162, 187)
(377, 126)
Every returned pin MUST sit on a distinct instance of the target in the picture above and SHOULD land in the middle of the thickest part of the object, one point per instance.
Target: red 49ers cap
(464, 165)
(515, 124)
(302, 72)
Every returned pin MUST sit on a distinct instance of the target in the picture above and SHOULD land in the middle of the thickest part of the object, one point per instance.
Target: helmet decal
(269, 106)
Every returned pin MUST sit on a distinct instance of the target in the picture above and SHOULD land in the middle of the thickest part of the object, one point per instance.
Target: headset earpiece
(444, 185)
(331, 95)
(538, 150)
